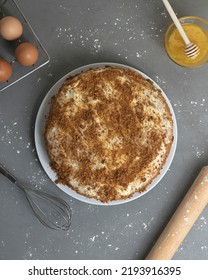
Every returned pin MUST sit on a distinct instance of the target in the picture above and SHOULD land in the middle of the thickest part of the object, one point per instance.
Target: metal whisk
(50, 210)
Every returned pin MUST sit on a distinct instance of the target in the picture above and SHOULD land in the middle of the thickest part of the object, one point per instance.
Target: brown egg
(10, 28)
(5, 70)
(26, 54)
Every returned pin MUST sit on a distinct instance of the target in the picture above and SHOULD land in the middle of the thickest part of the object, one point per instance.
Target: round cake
(108, 133)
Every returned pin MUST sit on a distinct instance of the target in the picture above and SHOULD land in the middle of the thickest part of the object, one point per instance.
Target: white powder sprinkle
(145, 226)
(92, 238)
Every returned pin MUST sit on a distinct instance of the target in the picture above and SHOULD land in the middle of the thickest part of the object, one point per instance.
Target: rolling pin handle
(183, 219)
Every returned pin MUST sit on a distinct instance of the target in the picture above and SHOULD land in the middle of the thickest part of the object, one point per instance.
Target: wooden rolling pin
(182, 220)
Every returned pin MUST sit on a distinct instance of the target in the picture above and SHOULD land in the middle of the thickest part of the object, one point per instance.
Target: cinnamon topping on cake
(108, 133)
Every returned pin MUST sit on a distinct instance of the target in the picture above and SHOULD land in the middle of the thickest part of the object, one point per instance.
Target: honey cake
(108, 133)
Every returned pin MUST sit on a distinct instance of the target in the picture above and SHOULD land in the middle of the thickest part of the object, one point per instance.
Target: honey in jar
(175, 45)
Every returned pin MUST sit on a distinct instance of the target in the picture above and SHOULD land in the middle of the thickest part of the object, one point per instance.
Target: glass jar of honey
(196, 29)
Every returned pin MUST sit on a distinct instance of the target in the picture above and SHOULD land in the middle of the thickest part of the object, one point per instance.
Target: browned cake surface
(108, 133)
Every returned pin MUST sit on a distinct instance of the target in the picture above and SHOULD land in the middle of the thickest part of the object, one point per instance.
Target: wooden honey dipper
(191, 49)
(182, 220)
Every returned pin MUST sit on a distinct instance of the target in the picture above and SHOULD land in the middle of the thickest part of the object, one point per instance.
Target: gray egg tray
(7, 48)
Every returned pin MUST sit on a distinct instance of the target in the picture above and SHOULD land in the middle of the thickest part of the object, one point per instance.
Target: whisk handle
(11, 177)
(7, 174)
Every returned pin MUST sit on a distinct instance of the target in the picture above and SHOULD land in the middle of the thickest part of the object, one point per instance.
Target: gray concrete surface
(79, 32)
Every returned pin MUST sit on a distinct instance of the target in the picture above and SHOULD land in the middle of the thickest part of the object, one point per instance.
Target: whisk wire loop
(51, 211)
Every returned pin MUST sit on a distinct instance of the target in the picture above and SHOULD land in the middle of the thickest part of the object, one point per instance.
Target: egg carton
(7, 48)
